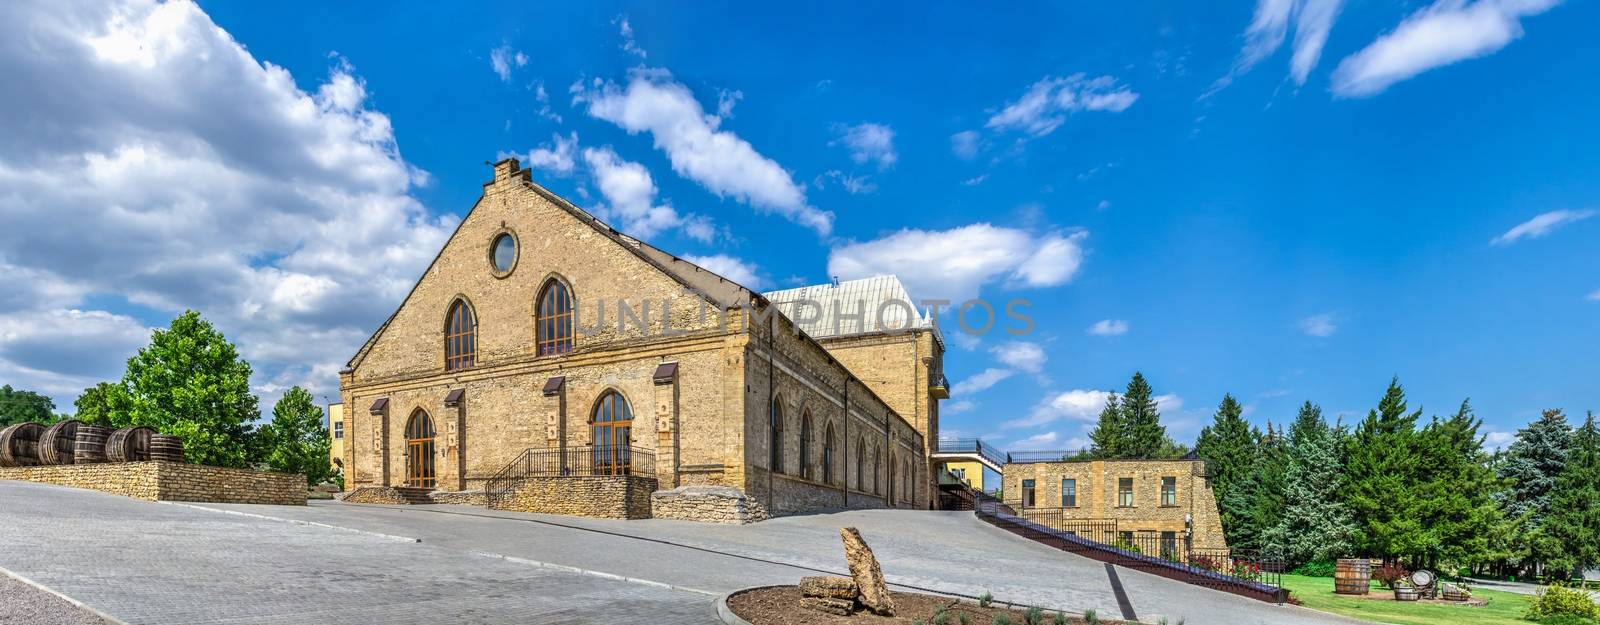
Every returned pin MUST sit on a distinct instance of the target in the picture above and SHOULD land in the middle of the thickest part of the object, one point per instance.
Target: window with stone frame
(1124, 492)
(1028, 500)
(553, 319)
(861, 464)
(1169, 491)
(460, 337)
(827, 455)
(805, 445)
(775, 425)
(1069, 493)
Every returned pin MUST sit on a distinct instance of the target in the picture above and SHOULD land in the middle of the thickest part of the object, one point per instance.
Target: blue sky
(1235, 207)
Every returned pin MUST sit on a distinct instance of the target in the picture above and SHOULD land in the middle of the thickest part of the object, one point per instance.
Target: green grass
(1504, 608)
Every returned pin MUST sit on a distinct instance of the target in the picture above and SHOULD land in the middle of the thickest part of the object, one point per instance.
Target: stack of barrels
(75, 442)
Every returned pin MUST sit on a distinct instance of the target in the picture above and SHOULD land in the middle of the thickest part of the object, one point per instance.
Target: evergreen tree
(191, 383)
(1107, 438)
(1380, 472)
(94, 405)
(1453, 492)
(22, 406)
(1573, 521)
(1530, 467)
(297, 441)
(1315, 525)
(1259, 501)
(1228, 446)
(1144, 436)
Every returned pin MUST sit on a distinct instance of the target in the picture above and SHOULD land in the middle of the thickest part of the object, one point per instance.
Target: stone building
(542, 343)
(1119, 500)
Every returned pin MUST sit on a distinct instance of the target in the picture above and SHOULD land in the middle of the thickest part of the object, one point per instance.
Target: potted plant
(1404, 591)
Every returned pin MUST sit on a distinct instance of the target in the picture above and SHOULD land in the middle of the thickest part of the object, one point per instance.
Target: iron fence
(970, 446)
(570, 462)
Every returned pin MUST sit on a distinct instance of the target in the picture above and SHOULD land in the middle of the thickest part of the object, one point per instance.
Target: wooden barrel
(129, 445)
(166, 448)
(1352, 576)
(89, 446)
(19, 445)
(55, 444)
(1406, 593)
(1452, 592)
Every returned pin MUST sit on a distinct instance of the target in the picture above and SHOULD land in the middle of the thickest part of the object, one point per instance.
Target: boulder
(841, 607)
(828, 587)
(874, 593)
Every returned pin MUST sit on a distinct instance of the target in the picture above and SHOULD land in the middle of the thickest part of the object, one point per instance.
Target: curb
(404, 539)
(592, 573)
(75, 603)
(726, 615)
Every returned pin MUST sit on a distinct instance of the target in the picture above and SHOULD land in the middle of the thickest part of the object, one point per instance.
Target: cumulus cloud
(719, 160)
(1021, 355)
(1082, 405)
(1036, 442)
(1046, 104)
(1321, 326)
(1109, 327)
(503, 58)
(980, 382)
(1541, 225)
(192, 175)
(868, 143)
(556, 157)
(954, 264)
(1445, 32)
(1496, 441)
(735, 269)
(630, 195)
(1269, 27)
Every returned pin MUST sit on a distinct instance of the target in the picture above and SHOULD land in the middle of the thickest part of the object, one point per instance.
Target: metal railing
(970, 446)
(570, 462)
(1242, 572)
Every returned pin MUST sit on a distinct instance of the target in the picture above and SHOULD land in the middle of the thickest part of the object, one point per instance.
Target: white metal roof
(876, 304)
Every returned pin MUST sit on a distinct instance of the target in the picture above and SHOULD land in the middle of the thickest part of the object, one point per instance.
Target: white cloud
(725, 101)
(630, 195)
(956, 407)
(735, 269)
(965, 144)
(980, 382)
(1312, 25)
(556, 157)
(1046, 104)
(541, 98)
(699, 150)
(954, 264)
(1035, 442)
(1594, 297)
(502, 59)
(1446, 32)
(1021, 355)
(1541, 225)
(1109, 327)
(1496, 441)
(1322, 325)
(975, 180)
(1269, 26)
(853, 184)
(628, 44)
(193, 175)
(868, 143)
(1080, 405)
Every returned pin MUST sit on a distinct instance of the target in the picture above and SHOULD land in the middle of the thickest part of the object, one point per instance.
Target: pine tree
(1144, 436)
(1228, 446)
(1107, 438)
(1453, 493)
(1574, 515)
(1530, 467)
(1379, 475)
(1315, 525)
(297, 441)
(190, 382)
(1259, 501)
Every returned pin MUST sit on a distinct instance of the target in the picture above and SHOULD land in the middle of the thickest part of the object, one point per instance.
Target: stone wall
(170, 481)
(708, 504)
(374, 494)
(607, 497)
(1097, 496)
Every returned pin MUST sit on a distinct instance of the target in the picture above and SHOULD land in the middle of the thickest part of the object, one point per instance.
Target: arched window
(805, 445)
(552, 319)
(612, 426)
(861, 464)
(905, 478)
(419, 451)
(877, 466)
(776, 442)
(460, 337)
(890, 480)
(827, 455)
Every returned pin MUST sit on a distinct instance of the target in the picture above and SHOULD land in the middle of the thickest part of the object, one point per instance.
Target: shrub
(1565, 619)
(985, 599)
(940, 617)
(961, 617)
(1389, 573)
(1001, 618)
(1034, 616)
(1059, 619)
(1090, 617)
(1315, 568)
(1556, 600)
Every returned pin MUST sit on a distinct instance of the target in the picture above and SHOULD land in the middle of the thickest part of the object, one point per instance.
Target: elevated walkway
(970, 449)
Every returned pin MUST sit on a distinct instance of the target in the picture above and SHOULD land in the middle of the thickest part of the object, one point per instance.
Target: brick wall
(168, 481)
(607, 497)
(1097, 495)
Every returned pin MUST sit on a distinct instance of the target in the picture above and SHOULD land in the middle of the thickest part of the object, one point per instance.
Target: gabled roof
(853, 307)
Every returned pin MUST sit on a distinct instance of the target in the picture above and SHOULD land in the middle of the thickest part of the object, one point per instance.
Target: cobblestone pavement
(22, 603)
(143, 562)
(949, 552)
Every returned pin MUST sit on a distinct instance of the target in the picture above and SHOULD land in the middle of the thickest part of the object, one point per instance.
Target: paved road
(156, 563)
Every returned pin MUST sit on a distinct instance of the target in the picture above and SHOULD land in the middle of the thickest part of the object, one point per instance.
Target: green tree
(1453, 494)
(94, 405)
(1574, 516)
(191, 383)
(1143, 434)
(1107, 439)
(1314, 525)
(1530, 467)
(1228, 446)
(1258, 501)
(1380, 472)
(297, 441)
(22, 406)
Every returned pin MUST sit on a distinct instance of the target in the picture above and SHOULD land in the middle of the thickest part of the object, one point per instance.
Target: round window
(504, 252)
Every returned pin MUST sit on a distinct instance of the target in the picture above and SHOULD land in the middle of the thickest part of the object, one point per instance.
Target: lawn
(1504, 608)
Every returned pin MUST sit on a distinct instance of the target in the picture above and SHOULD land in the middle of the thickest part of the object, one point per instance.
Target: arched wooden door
(612, 425)
(420, 469)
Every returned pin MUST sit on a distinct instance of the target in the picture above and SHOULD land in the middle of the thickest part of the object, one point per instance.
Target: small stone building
(1169, 501)
(542, 343)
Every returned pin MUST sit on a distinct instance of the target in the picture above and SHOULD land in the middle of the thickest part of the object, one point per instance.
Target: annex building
(551, 363)
(1159, 506)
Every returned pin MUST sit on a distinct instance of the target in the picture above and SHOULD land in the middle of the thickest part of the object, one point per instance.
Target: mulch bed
(1388, 595)
(780, 605)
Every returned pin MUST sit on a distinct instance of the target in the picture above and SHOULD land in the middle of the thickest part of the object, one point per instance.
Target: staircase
(415, 496)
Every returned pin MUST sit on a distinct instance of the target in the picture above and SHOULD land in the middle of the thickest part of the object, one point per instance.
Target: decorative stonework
(170, 481)
(711, 504)
(607, 497)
